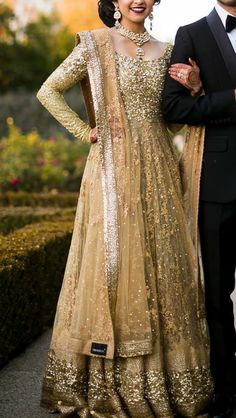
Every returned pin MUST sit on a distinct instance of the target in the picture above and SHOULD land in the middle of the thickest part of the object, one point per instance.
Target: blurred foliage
(79, 15)
(7, 18)
(29, 54)
(31, 163)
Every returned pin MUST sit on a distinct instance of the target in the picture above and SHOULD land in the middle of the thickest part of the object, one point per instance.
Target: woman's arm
(70, 72)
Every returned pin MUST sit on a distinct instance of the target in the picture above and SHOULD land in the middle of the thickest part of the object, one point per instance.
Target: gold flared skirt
(161, 362)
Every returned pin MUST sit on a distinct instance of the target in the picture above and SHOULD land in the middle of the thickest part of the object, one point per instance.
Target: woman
(129, 337)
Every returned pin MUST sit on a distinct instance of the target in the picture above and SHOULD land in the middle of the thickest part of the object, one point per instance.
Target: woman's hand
(188, 76)
(93, 135)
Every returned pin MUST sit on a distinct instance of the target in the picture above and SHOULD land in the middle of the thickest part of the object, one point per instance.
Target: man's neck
(229, 9)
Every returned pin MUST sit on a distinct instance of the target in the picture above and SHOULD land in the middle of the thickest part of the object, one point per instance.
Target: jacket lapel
(223, 42)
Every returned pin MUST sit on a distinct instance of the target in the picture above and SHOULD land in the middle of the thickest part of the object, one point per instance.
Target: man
(211, 42)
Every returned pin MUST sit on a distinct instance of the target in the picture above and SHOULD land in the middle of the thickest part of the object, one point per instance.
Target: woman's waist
(143, 115)
(155, 124)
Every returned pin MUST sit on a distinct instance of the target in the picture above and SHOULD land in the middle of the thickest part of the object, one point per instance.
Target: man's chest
(214, 68)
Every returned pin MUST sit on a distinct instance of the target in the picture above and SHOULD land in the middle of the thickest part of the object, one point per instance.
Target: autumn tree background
(79, 14)
(36, 36)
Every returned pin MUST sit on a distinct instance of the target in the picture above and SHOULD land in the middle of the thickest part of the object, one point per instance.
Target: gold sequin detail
(137, 348)
(139, 87)
(119, 389)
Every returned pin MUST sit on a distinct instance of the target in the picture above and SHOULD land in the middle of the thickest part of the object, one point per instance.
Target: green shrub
(15, 218)
(32, 262)
(31, 163)
(53, 199)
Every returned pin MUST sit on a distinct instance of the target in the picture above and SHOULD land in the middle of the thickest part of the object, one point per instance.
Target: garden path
(20, 382)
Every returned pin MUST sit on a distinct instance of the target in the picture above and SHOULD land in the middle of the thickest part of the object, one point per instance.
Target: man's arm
(179, 106)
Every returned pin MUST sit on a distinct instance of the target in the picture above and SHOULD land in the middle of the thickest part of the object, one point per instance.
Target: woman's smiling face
(134, 11)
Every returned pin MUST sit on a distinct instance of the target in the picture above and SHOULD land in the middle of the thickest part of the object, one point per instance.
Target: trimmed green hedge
(53, 199)
(32, 263)
(12, 218)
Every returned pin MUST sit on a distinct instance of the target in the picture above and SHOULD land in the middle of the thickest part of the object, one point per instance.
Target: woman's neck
(133, 26)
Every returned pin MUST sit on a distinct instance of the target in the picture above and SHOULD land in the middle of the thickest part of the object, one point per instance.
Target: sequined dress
(157, 290)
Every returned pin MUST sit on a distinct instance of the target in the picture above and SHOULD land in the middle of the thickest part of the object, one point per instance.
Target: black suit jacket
(208, 44)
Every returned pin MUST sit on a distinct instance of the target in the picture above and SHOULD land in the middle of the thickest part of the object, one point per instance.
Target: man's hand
(188, 76)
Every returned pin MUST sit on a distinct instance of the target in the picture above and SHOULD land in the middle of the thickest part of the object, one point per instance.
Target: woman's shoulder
(99, 33)
(160, 44)
(163, 49)
(167, 49)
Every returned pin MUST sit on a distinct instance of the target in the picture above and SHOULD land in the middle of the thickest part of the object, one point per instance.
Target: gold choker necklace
(138, 38)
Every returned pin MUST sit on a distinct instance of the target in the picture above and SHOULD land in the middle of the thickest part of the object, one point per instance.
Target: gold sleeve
(70, 72)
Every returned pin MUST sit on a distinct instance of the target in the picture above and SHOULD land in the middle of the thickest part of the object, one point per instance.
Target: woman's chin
(137, 19)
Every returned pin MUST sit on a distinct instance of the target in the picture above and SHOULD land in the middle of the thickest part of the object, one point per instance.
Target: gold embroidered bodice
(141, 85)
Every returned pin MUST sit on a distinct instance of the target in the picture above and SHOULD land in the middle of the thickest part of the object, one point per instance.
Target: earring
(117, 15)
(151, 17)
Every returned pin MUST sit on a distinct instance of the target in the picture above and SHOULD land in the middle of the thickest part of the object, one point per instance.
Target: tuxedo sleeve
(178, 106)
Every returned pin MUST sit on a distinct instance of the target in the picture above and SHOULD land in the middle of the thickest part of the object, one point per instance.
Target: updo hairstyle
(106, 11)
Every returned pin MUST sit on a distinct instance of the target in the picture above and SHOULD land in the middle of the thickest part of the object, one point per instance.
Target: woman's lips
(137, 10)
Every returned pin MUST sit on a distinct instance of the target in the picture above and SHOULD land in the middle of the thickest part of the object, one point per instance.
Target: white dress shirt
(223, 16)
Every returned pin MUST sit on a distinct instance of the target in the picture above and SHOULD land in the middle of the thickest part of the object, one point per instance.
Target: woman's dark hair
(106, 11)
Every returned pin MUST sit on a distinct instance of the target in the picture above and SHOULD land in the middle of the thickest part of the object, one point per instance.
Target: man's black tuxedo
(216, 110)
(206, 42)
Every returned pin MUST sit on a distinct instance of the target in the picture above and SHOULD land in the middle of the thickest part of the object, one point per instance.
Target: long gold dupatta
(191, 166)
(101, 105)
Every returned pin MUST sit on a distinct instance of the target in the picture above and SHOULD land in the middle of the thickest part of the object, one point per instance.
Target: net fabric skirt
(160, 366)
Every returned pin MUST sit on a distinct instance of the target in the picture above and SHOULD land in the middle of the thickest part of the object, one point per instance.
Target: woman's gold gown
(158, 291)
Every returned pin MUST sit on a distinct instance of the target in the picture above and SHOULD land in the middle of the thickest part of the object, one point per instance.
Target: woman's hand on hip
(93, 135)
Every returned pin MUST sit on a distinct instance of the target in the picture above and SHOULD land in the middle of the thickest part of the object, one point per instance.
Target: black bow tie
(230, 23)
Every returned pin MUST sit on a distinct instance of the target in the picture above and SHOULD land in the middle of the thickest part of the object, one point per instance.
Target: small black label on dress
(99, 349)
